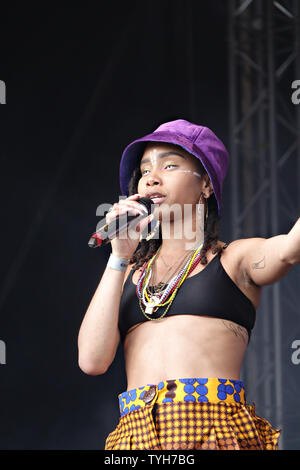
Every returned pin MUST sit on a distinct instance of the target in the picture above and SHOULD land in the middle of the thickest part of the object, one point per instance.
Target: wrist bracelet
(119, 264)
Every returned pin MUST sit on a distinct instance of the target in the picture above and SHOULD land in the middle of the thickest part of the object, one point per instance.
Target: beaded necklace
(161, 286)
(172, 287)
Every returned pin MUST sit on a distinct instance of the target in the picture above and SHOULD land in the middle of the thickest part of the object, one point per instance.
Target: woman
(184, 307)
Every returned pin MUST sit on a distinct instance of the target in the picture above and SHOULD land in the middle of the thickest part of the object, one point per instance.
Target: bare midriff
(184, 346)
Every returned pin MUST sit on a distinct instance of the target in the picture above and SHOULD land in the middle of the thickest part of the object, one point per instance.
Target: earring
(202, 201)
(153, 232)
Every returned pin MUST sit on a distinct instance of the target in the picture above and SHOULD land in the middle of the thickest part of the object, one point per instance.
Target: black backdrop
(81, 84)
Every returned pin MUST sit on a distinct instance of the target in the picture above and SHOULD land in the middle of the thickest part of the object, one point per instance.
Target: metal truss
(264, 61)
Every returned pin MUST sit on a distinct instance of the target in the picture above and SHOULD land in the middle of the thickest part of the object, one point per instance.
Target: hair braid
(211, 230)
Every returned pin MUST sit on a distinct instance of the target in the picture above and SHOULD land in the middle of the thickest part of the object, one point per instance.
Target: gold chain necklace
(160, 286)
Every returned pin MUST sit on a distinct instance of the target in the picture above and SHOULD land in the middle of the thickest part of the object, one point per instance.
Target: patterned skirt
(193, 413)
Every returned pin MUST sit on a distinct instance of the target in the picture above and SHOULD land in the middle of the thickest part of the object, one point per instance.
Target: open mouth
(158, 199)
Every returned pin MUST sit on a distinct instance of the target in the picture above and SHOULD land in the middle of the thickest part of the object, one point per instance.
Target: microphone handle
(107, 232)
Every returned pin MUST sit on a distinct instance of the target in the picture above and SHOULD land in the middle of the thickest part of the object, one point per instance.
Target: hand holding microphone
(137, 211)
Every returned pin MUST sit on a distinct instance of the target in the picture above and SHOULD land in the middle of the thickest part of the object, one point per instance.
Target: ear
(208, 188)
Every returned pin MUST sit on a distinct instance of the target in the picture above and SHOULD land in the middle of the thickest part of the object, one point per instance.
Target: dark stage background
(81, 84)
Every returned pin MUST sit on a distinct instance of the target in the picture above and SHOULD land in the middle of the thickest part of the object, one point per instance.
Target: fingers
(142, 224)
(118, 211)
(129, 205)
(133, 201)
(133, 196)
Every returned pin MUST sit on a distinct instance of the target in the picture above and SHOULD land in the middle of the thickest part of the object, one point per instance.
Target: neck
(178, 237)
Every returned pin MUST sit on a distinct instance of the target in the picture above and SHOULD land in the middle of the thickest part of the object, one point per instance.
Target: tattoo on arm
(260, 264)
(237, 330)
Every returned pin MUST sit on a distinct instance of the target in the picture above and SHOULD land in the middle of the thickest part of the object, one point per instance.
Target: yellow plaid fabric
(193, 413)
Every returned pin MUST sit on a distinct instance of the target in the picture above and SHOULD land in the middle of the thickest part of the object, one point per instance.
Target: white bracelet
(119, 264)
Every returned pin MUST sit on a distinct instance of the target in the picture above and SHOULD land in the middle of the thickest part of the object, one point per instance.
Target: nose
(153, 179)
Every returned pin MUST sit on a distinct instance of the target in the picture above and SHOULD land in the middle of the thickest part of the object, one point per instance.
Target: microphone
(109, 231)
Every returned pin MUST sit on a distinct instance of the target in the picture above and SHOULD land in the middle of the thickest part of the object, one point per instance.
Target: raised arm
(267, 260)
(99, 335)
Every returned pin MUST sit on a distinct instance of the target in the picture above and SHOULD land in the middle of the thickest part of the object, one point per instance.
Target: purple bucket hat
(198, 140)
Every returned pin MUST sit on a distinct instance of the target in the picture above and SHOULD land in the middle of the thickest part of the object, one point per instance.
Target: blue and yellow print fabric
(190, 413)
(211, 390)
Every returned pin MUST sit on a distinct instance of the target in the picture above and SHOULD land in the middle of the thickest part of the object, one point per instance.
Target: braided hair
(146, 249)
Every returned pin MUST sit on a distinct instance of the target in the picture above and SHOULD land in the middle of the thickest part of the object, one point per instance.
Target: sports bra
(210, 292)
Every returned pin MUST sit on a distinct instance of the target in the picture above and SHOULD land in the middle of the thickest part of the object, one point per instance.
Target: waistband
(211, 390)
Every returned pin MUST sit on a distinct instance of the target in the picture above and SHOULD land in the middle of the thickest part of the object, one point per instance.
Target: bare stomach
(184, 346)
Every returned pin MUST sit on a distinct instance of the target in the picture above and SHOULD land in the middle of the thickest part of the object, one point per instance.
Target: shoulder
(241, 246)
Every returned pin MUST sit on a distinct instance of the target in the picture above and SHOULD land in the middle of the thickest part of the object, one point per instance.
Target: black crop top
(210, 292)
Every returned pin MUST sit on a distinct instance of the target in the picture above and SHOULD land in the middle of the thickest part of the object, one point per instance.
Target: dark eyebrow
(162, 155)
